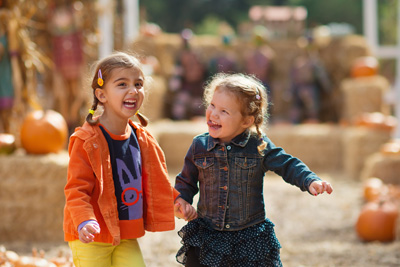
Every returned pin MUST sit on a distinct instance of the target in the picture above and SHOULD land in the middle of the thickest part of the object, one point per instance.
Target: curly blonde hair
(250, 92)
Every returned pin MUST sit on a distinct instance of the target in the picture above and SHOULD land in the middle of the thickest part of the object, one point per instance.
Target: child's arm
(319, 187)
(184, 210)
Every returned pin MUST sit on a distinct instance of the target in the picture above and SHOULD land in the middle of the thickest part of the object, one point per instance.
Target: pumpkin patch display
(377, 221)
(9, 258)
(364, 67)
(44, 131)
(7, 143)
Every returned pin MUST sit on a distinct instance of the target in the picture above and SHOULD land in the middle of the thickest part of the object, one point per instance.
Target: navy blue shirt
(127, 173)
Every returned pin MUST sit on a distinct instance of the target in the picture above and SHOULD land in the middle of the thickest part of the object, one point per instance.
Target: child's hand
(86, 234)
(184, 210)
(319, 187)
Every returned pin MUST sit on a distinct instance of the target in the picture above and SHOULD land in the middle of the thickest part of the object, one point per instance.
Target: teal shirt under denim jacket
(230, 178)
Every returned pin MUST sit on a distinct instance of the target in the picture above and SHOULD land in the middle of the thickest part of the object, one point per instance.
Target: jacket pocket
(205, 167)
(245, 168)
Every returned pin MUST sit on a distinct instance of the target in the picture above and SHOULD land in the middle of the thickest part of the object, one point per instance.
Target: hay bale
(317, 145)
(385, 167)
(31, 197)
(175, 138)
(358, 144)
(154, 105)
(339, 54)
(364, 94)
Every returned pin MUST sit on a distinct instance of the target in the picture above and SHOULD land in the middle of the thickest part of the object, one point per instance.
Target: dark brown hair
(107, 65)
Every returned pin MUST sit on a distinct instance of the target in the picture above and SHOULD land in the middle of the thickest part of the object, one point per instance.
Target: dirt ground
(313, 231)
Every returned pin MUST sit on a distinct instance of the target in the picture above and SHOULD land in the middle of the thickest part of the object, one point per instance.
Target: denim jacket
(230, 178)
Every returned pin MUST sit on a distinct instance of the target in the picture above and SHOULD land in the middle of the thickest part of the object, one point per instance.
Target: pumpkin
(36, 260)
(373, 189)
(391, 148)
(377, 120)
(7, 143)
(377, 221)
(44, 132)
(364, 67)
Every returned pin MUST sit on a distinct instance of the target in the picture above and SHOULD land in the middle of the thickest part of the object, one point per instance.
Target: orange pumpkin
(44, 132)
(7, 143)
(377, 120)
(364, 67)
(391, 148)
(373, 189)
(377, 221)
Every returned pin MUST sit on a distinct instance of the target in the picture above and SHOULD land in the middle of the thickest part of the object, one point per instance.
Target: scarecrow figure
(186, 84)
(67, 43)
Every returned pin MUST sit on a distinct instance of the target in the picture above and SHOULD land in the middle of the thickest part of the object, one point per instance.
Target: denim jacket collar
(239, 140)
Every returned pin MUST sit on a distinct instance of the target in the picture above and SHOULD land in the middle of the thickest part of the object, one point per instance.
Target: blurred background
(331, 69)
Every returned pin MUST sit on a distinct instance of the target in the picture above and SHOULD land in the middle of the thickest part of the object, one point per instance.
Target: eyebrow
(124, 79)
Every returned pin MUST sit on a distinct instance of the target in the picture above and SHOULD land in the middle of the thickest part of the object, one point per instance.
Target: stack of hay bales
(317, 145)
(32, 197)
(337, 55)
(364, 94)
(358, 144)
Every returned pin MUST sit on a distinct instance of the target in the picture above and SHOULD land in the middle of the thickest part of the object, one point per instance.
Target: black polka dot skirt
(255, 246)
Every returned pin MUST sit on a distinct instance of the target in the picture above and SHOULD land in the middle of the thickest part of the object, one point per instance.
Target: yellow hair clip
(100, 80)
(91, 111)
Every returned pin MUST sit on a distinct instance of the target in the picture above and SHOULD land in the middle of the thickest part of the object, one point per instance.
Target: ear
(248, 121)
(99, 93)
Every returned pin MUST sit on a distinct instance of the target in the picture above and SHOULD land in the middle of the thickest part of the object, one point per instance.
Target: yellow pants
(95, 254)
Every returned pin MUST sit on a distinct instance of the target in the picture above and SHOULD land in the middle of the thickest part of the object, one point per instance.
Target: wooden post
(131, 21)
(105, 24)
(371, 33)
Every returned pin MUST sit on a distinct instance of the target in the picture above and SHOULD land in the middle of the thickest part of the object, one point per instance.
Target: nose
(213, 113)
(133, 90)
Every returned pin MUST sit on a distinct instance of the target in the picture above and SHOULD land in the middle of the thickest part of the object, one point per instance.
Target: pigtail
(142, 119)
(261, 147)
(89, 117)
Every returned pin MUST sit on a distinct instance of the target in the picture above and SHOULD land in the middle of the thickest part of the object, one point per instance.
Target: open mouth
(130, 103)
(213, 125)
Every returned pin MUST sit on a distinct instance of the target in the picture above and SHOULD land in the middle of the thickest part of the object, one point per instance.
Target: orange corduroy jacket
(90, 192)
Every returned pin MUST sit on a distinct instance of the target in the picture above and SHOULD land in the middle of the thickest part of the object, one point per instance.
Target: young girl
(117, 183)
(227, 165)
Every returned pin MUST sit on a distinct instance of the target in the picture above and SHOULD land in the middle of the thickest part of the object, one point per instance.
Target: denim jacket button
(228, 147)
(227, 226)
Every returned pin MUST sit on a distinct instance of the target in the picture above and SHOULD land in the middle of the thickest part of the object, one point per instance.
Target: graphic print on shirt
(131, 198)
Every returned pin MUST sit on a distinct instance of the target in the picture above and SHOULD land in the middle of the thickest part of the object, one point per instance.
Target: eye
(139, 84)
(122, 84)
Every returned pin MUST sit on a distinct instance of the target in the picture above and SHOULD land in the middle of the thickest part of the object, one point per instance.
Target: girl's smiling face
(224, 117)
(122, 94)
